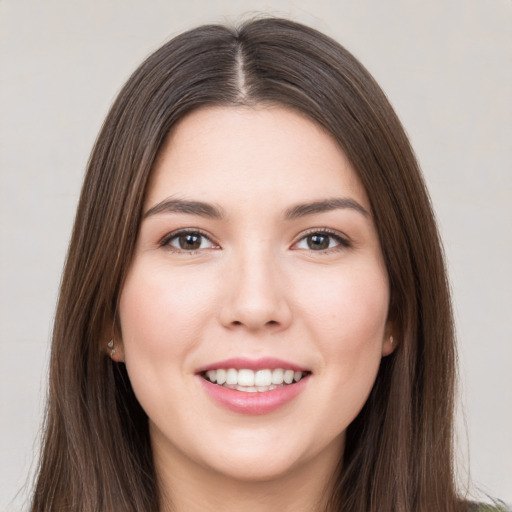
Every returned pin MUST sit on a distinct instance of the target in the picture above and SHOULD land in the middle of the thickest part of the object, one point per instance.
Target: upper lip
(263, 363)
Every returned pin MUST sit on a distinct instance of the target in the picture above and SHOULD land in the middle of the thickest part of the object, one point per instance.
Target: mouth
(253, 386)
(254, 381)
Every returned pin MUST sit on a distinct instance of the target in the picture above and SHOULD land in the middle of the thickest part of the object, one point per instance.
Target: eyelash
(166, 240)
(341, 242)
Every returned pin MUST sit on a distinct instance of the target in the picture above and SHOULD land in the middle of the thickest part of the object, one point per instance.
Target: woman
(254, 313)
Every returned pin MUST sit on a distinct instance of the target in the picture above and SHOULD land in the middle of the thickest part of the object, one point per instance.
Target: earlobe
(115, 350)
(114, 346)
(388, 346)
(112, 341)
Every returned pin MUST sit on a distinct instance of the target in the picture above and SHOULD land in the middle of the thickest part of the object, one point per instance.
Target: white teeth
(221, 377)
(263, 378)
(245, 378)
(288, 376)
(248, 389)
(278, 376)
(253, 381)
(252, 389)
(231, 376)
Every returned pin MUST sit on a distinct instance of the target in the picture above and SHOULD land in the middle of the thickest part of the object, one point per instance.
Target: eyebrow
(215, 212)
(301, 210)
(183, 206)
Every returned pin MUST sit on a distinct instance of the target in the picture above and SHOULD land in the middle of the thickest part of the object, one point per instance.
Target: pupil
(190, 241)
(318, 242)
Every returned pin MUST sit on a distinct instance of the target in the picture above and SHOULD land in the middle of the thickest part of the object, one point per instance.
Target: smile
(253, 386)
(253, 381)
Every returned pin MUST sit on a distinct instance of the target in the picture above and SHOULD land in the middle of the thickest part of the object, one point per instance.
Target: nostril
(269, 323)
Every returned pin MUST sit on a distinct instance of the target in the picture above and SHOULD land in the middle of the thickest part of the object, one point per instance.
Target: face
(254, 314)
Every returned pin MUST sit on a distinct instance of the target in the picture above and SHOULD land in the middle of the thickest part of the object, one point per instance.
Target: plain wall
(446, 67)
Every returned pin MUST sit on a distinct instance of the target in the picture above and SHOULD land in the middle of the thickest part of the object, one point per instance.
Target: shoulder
(497, 506)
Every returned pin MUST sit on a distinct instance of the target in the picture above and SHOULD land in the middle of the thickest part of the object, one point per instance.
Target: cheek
(159, 311)
(347, 316)
(161, 315)
(350, 305)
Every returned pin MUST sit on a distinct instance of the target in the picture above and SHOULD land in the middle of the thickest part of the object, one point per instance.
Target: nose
(256, 296)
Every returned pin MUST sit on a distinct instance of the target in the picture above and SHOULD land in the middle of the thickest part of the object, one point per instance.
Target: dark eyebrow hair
(208, 210)
(183, 206)
(325, 205)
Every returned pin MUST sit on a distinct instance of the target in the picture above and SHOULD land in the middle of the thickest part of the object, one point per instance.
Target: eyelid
(343, 240)
(164, 241)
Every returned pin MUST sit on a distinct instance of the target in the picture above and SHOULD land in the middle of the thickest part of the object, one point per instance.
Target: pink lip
(243, 402)
(240, 363)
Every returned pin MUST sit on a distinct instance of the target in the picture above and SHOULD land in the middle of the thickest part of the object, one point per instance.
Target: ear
(389, 342)
(112, 343)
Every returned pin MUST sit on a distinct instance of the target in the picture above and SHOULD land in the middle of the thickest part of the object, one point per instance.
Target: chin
(254, 470)
(276, 461)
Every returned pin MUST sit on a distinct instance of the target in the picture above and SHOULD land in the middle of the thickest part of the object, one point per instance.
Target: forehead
(241, 154)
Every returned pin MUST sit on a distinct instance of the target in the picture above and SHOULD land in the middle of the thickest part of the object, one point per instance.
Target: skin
(254, 288)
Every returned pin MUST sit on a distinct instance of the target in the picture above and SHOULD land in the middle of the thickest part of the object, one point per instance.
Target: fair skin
(252, 279)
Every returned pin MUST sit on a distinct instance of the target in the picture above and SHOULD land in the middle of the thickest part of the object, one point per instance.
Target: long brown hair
(96, 452)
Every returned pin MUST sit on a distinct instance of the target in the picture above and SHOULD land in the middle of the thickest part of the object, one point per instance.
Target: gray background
(445, 65)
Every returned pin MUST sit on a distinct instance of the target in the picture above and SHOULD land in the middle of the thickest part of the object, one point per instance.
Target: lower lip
(260, 402)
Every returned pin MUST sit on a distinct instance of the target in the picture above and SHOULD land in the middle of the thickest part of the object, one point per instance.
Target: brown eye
(189, 241)
(322, 241)
(318, 242)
